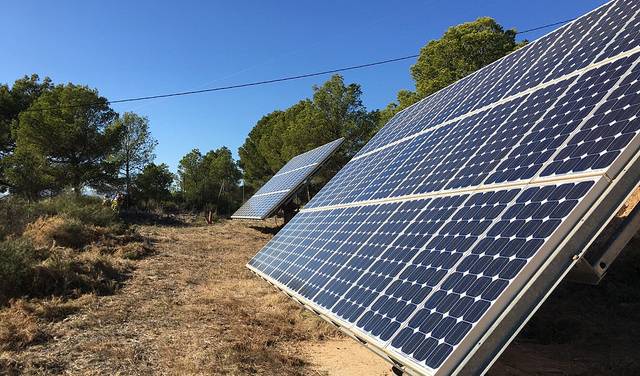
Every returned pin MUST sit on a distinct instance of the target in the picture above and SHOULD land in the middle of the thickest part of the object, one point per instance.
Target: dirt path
(193, 308)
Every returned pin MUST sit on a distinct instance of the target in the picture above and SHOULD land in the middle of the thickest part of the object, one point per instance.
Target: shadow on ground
(584, 329)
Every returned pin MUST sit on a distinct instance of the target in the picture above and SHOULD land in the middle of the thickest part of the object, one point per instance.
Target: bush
(65, 273)
(18, 329)
(16, 213)
(46, 232)
(17, 259)
(86, 209)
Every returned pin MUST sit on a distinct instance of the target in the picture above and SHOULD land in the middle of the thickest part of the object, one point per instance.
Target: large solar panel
(285, 182)
(442, 236)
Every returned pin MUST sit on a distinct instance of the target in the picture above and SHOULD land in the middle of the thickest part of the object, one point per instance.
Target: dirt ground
(193, 308)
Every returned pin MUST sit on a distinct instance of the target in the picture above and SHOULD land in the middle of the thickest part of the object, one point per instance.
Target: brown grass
(19, 328)
(48, 232)
(191, 308)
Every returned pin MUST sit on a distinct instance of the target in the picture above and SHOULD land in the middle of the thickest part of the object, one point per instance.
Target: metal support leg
(594, 264)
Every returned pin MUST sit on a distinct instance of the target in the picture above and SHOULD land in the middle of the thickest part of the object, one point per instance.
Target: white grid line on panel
(475, 189)
(295, 169)
(270, 193)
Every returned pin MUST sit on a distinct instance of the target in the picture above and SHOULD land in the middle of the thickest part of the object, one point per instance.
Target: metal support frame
(592, 267)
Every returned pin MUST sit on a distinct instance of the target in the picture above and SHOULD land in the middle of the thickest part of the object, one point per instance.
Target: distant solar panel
(266, 201)
(443, 235)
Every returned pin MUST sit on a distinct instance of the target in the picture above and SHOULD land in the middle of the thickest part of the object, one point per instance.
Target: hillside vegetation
(54, 255)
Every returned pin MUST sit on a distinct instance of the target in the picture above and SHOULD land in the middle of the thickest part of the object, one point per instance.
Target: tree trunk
(127, 183)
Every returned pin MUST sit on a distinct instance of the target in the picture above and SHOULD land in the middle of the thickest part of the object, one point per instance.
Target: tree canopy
(335, 110)
(209, 181)
(75, 140)
(135, 151)
(57, 137)
(153, 184)
(14, 100)
(462, 50)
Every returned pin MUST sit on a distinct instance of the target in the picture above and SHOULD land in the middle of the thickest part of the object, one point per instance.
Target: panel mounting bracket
(594, 263)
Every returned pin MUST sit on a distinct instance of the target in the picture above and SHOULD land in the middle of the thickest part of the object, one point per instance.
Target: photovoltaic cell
(430, 236)
(285, 182)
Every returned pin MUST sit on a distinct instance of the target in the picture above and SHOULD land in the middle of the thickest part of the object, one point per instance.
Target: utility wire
(264, 82)
(545, 26)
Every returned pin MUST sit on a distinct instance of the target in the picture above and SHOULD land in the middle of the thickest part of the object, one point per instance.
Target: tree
(28, 173)
(14, 100)
(210, 181)
(153, 184)
(462, 50)
(72, 127)
(334, 111)
(135, 150)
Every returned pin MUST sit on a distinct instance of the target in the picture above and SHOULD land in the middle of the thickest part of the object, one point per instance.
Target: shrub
(16, 213)
(19, 329)
(66, 232)
(86, 209)
(65, 273)
(17, 258)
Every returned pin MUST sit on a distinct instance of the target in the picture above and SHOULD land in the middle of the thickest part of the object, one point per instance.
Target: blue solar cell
(570, 37)
(466, 291)
(504, 134)
(422, 147)
(493, 87)
(528, 155)
(594, 46)
(284, 183)
(629, 36)
(606, 131)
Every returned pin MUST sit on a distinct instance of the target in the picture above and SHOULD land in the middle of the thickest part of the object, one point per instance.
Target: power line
(221, 88)
(265, 82)
(545, 26)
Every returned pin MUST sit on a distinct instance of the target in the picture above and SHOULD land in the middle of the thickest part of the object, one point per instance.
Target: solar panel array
(285, 182)
(423, 240)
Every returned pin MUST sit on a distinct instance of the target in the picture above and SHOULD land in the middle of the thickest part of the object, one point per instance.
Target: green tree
(72, 127)
(28, 173)
(462, 50)
(210, 181)
(334, 111)
(153, 184)
(254, 164)
(135, 150)
(14, 100)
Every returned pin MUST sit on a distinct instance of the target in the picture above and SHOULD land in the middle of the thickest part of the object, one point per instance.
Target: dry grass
(193, 308)
(19, 328)
(47, 232)
(190, 308)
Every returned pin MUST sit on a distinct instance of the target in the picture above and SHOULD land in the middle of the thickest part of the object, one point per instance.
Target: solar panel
(285, 182)
(442, 236)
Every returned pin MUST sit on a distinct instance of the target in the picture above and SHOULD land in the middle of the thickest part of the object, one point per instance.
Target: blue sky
(128, 49)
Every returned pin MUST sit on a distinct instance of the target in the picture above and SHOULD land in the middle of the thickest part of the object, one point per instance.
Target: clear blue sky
(137, 48)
